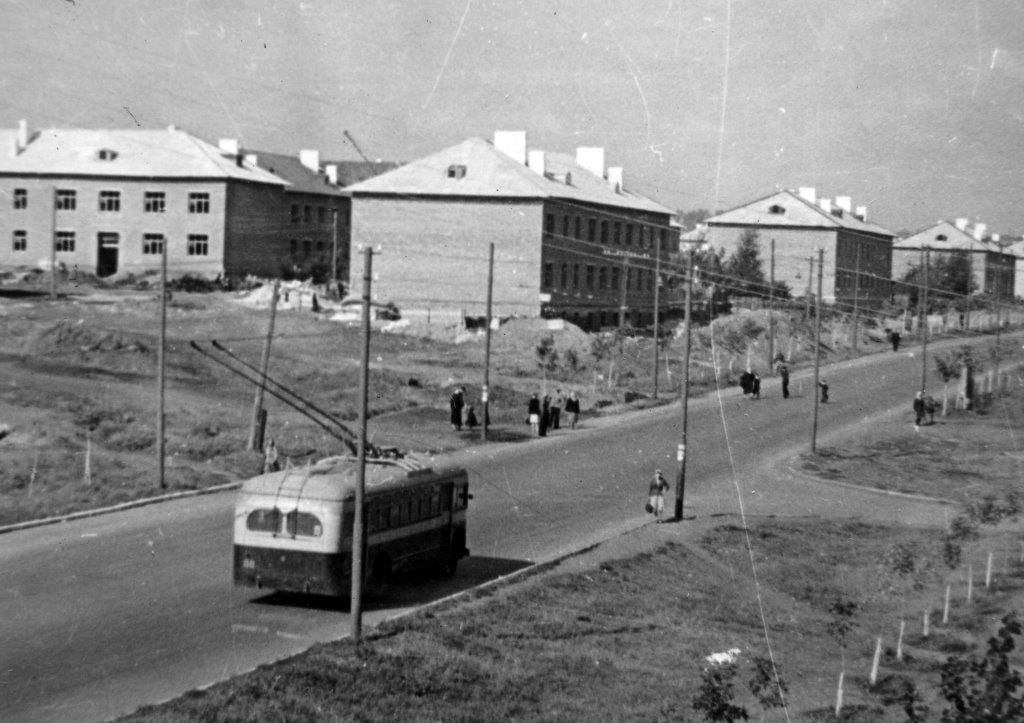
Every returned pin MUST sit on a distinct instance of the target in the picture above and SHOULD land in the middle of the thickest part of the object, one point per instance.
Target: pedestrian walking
(533, 414)
(930, 406)
(572, 408)
(918, 406)
(784, 377)
(557, 404)
(894, 339)
(471, 421)
(755, 387)
(456, 401)
(824, 391)
(270, 458)
(656, 495)
(545, 415)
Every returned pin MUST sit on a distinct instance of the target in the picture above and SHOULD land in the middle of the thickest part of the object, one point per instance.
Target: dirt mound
(524, 335)
(69, 336)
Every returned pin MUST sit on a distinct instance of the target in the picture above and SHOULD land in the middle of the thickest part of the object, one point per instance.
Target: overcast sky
(915, 108)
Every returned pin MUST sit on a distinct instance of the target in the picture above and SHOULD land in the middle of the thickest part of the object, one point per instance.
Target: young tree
(547, 357)
(744, 266)
(769, 689)
(985, 689)
(714, 698)
(949, 369)
(842, 624)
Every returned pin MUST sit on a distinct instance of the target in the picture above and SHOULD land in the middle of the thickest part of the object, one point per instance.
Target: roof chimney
(228, 146)
(862, 213)
(825, 204)
(961, 224)
(807, 193)
(331, 169)
(592, 159)
(171, 128)
(21, 139)
(995, 238)
(615, 178)
(310, 159)
(512, 144)
(979, 231)
(845, 203)
(535, 160)
(252, 159)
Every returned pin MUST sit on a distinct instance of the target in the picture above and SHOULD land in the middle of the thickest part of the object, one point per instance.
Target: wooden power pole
(358, 526)
(685, 393)
(485, 393)
(817, 351)
(258, 424)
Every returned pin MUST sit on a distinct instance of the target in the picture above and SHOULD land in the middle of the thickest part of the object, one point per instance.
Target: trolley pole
(256, 427)
(924, 320)
(810, 279)
(685, 393)
(160, 366)
(358, 528)
(487, 348)
(817, 351)
(334, 254)
(771, 308)
(657, 285)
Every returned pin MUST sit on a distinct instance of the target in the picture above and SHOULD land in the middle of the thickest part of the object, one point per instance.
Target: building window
(307, 213)
(565, 275)
(579, 227)
(575, 276)
(294, 247)
(617, 233)
(296, 214)
(198, 203)
(64, 241)
(629, 234)
(198, 244)
(663, 239)
(590, 277)
(591, 229)
(110, 201)
(19, 240)
(321, 214)
(629, 278)
(565, 228)
(20, 198)
(650, 280)
(154, 202)
(602, 278)
(615, 278)
(549, 223)
(604, 232)
(67, 199)
(152, 243)
(549, 273)
(307, 249)
(319, 248)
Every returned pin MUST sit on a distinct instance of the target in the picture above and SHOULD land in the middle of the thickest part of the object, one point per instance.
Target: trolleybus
(293, 528)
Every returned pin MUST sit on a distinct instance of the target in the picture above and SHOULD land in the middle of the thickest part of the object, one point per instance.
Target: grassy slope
(625, 639)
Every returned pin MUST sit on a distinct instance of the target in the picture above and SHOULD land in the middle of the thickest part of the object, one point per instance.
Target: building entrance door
(106, 259)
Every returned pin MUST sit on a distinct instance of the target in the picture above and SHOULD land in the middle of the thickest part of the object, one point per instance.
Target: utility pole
(810, 278)
(487, 347)
(53, 246)
(160, 365)
(259, 415)
(856, 294)
(358, 528)
(657, 285)
(924, 320)
(817, 351)
(334, 253)
(685, 394)
(771, 309)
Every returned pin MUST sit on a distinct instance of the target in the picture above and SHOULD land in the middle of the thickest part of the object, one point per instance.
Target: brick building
(109, 200)
(858, 254)
(570, 240)
(993, 269)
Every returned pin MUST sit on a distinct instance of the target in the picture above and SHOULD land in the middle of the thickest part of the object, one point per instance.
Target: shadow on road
(406, 590)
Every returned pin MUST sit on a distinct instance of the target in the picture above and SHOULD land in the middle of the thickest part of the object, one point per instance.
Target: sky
(914, 108)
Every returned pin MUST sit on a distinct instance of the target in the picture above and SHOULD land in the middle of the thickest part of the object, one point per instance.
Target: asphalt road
(101, 615)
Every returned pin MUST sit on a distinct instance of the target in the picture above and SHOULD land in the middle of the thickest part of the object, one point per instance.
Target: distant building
(570, 240)
(858, 254)
(109, 200)
(992, 269)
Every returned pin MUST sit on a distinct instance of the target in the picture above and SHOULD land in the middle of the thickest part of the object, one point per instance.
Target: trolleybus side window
(302, 523)
(435, 503)
(264, 520)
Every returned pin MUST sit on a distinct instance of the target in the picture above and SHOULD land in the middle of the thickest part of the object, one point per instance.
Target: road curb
(17, 526)
(793, 472)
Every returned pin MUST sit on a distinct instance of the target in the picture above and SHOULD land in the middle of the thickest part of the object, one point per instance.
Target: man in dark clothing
(755, 387)
(824, 391)
(784, 376)
(456, 402)
(747, 382)
(918, 409)
(557, 402)
(545, 415)
(894, 337)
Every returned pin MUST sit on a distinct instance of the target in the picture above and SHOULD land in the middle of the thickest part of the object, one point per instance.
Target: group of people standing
(456, 404)
(546, 413)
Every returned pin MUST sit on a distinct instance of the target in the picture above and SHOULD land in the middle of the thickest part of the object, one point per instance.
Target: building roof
(944, 236)
(351, 172)
(132, 153)
(300, 178)
(789, 209)
(490, 173)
